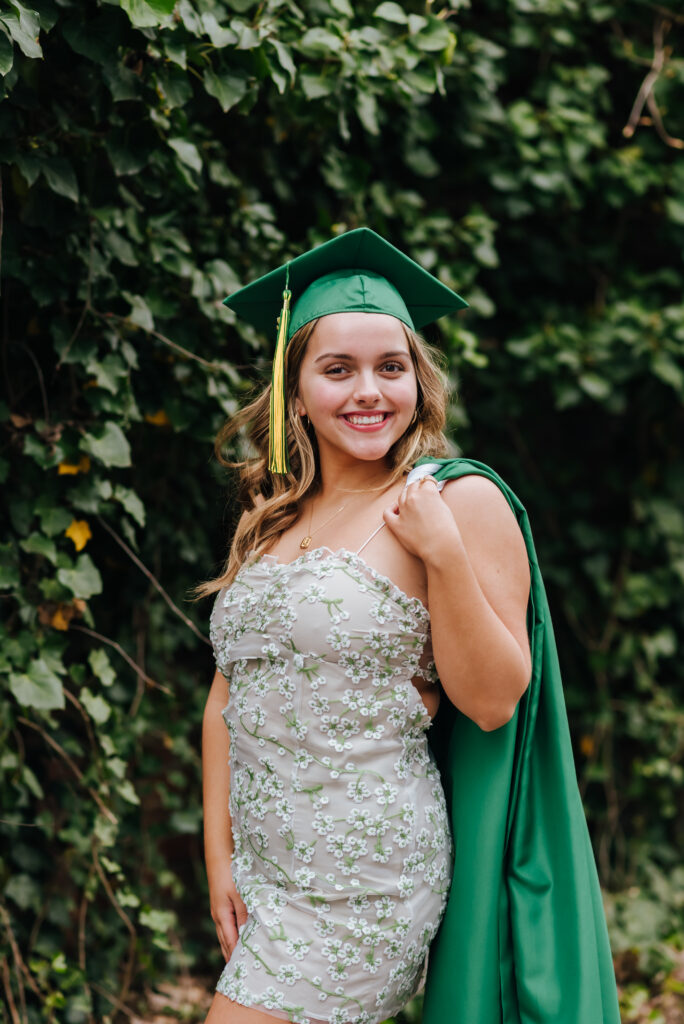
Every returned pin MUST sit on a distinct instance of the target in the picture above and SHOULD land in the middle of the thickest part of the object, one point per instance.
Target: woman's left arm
(478, 581)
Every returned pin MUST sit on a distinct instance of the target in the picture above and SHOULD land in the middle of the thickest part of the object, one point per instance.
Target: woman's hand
(228, 911)
(421, 520)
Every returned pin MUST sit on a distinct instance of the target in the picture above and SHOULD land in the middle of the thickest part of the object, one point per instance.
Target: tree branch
(132, 933)
(645, 96)
(109, 815)
(124, 655)
(153, 580)
(160, 337)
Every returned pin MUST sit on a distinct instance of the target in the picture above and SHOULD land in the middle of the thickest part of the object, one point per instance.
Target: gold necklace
(305, 541)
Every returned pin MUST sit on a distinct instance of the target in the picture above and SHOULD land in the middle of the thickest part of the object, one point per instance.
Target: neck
(344, 480)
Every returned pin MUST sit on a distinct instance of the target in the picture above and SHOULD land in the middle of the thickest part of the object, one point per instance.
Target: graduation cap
(357, 271)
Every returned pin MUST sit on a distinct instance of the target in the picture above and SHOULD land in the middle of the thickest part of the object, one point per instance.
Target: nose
(366, 389)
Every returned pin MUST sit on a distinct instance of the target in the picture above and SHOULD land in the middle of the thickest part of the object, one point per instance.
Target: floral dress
(343, 852)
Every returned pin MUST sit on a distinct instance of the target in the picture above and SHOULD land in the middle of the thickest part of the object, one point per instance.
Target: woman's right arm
(227, 908)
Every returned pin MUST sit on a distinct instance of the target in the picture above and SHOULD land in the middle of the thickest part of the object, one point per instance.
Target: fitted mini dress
(343, 852)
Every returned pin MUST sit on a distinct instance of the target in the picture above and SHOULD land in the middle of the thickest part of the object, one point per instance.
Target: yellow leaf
(587, 745)
(160, 419)
(82, 466)
(59, 619)
(79, 531)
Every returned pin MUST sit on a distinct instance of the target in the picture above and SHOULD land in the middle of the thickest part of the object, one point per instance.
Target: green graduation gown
(524, 937)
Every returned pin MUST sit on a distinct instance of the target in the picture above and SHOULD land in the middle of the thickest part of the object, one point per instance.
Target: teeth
(377, 418)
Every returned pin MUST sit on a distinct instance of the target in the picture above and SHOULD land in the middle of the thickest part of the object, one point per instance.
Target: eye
(392, 366)
(332, 370)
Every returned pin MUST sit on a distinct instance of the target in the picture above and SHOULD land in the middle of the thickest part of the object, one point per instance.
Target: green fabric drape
(524, 937)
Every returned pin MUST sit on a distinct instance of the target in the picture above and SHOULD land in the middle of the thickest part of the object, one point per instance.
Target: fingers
(240, 912)
(226, 930)
(411, 490)
(429, 480)
(390, 515)
(225, 948)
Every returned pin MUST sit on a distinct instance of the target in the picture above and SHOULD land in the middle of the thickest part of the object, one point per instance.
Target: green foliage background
(154, 156)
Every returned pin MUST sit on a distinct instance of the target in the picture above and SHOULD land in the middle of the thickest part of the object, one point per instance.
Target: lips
(366, 421)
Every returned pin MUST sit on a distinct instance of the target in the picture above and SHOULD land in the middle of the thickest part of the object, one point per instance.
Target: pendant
(305, 542)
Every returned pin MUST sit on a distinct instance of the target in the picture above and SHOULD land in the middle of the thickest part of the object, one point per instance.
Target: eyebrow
(345, 355)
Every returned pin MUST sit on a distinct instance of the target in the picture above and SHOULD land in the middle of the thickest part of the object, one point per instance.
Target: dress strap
(376, 530)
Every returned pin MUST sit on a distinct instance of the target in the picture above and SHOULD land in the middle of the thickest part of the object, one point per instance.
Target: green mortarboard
(356, 272)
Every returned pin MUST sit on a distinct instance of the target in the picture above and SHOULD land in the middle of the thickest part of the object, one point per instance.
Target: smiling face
(357, 385)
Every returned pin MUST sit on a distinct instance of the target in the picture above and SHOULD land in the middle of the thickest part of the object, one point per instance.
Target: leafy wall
(153, 156)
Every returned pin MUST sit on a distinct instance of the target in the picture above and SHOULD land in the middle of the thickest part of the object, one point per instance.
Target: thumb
(391, 516)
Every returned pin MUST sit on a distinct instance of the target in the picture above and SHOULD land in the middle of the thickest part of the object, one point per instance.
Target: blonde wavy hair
(273, 502)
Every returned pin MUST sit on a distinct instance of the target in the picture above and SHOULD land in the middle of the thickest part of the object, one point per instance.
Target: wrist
(218, 855)
(443, 550)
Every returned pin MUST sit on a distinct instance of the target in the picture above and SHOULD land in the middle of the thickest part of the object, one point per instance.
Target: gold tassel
(278, 455)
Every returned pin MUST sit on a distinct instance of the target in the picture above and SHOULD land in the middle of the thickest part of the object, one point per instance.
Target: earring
(414, 417)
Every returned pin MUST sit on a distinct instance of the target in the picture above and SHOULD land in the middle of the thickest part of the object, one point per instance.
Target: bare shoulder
(473, 495)
(488, 525)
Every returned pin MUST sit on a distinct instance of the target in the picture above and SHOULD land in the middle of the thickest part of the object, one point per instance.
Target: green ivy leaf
(175, 50)
(38, 544)
(95, 38)
(158, 920)
(31, 782)
(29, 165)
(38, 687)
(23, 890)
(118, 768)
(98, 659)
(222, 276)
(187, 153)
(367, 109)
(84, 580)
(318, 42)
(434, 37)
(285, 58)
(163, 7)
(96, 706)
(247, 37)
(316, 86)
(175, 85)
(421, 162)
(126, 790)
(147, 13)
(126, 156)
(227, 88)
(61, 177)
(9, 576)
(108, 373)
(595, 386)
(53, 519)
(416, 23)
(6, 54)
(668, 371)
(131, 502)
(23, 26)
(219, 36)
(109, 445)
(389, 11)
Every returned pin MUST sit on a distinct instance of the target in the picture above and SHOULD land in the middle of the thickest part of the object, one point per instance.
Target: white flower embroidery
(386, 794)
(288, 973)
(320, 830)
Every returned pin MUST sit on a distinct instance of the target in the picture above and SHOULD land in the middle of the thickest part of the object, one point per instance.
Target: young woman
(352, 603)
